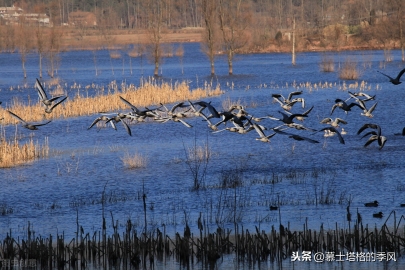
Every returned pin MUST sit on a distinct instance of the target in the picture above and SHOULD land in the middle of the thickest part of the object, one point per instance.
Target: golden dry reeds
(115, 55)
(149, 93)
(199, 153)
(349, 71)
(134, 161)
(13, 153)
(227, 103)
(327, 64)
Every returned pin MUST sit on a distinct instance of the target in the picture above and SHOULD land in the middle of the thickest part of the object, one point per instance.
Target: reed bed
(349, 71)
(134, 161)
(130, 249)
(13, 152)
(327, 64)
(115, 55)
(148, 93)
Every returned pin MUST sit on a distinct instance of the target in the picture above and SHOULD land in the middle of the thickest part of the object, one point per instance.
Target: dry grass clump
(349, 71)
(13, 153)
(228, 103)
(134, 161)
(327, 64)
(134, 53)
(147, 94)
(58, 91)
(199, 153)
(179, 51)
(115, 55)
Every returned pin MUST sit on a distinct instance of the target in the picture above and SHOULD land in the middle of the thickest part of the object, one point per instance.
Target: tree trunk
(25, 71)
(40, 65)
(212, 68)
(156, 71)
(230, 63)
(293, 43)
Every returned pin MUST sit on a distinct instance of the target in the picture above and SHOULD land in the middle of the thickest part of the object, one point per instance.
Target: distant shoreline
(73, 40)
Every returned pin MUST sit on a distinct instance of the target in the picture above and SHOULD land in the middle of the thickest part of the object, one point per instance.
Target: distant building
(13, 15)
(10, 10)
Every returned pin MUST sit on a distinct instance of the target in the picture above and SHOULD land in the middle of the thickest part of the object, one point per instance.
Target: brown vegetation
(257, 26)
(107, 100)
(349, 70)
(13, 152)
(134, 161)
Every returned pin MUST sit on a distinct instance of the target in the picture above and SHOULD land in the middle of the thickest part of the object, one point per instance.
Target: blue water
(83, 164)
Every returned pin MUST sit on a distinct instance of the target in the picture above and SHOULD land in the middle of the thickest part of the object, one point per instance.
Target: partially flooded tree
(234, 18)
(23, 42)
(53, 48)
(40, 44)
(399, 7)
(155, 31)
(180, 55)
(210, 40)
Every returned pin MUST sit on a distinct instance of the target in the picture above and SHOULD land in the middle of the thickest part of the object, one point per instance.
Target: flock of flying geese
(241, 121)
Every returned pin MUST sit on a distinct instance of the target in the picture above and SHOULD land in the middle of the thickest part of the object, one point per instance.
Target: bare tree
(155, 31)
(399, 6)
(53, 48)
(24, 42)
(210, 40)
(234, 18)
(40, 44)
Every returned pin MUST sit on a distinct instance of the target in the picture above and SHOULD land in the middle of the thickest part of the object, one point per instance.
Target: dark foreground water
(311, 183)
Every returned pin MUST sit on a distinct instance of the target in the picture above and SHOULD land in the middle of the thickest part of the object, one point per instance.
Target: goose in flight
(289, 98)
(334, 131)
(334, 123)
(295, 137)
(172, 110)
(210, 124)
(213, 111)
(44, 98)
(287, 118)
(344, 106)
(360, 94)
(175, 118)
(367, 112)
(375, 135)
(394, 81)
(25, 124)
(301, 117)
(263, 137)
(287, 103)
(194, 109)
(50, 108)
(119, 118)
(372, 126)
(141, 114)
(103, 118)
(288, 121)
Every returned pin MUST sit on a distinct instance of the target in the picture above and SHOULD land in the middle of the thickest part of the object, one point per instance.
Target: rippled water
(49, 193)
